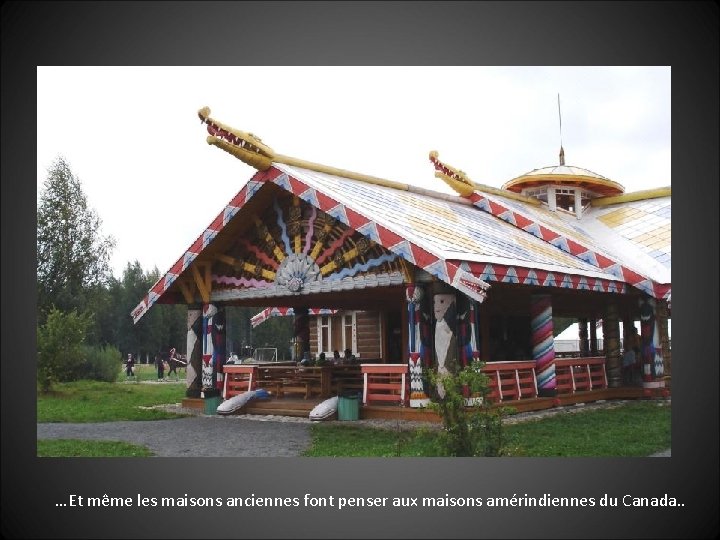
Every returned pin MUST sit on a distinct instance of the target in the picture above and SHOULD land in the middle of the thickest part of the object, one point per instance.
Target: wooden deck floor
(291, 406)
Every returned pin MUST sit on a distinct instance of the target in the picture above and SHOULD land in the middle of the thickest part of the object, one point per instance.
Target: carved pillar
(611, 331)
(468, 338)
(213, 349)
(629, 344)
(662, 317)
(301, 332)
(583, 337)
(218, 335)
(194, 352)
(418, 349)
(543, 344)
(593, 337)
(446, 349)
(651, 351)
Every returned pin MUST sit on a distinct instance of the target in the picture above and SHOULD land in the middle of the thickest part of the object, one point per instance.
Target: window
(343, 337)
(324, 333)
(349, 335)
(538, 193)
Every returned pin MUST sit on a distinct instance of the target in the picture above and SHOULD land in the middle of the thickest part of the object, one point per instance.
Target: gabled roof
(445, 228)
(462, 241)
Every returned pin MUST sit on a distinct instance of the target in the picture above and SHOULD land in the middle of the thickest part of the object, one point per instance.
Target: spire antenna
(562, 151)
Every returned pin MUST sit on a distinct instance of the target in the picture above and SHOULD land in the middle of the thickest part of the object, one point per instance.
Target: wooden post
(611, 331)
(213, 349)
(651, 351)
(543, 344)
(468, 340)
(593, 337)
(583, 336)
(662, 316)
(444, 304)
(194, 352)
(302, 332)
(414, 295)
(484, 317)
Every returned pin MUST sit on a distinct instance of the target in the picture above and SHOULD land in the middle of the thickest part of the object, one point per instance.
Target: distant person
(129, 366)
(349, 357)
(160, 364)
(172, 364)
(336, 358)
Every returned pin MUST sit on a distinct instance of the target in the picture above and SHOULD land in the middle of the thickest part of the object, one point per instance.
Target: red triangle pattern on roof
(486, 204)
(447, 271)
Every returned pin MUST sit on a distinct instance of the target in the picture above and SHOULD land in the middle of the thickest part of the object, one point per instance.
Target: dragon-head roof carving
(247, 147)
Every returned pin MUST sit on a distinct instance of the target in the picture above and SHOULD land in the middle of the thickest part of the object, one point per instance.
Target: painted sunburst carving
(296, 270)
(294, 245)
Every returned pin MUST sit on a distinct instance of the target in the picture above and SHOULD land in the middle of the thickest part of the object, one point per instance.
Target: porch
(295, 390)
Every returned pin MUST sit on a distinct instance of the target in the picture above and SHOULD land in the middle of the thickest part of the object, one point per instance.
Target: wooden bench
(346, 378)
(308, 381)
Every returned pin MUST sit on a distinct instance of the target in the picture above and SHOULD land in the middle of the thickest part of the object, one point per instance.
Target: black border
(683, 35)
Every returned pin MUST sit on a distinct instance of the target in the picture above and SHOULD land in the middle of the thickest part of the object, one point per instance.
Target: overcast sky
(132, 135)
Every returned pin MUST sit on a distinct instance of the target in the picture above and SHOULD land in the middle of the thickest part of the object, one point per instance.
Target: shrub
(60, 347)
(475, 430)
(101, 364)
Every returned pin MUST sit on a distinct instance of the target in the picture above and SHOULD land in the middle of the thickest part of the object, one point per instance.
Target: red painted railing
(578, 374)
(238, 379)
(384, 383)
(511, 380)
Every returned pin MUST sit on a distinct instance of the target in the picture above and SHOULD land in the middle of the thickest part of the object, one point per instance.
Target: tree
(60, 347)
(72, 256)
(164, 326)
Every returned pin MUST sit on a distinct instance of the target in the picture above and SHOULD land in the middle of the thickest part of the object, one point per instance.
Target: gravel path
(200, 436)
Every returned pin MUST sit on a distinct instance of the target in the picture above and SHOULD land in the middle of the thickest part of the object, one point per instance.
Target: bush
(475, 430)
(60, 347)
(101, 364)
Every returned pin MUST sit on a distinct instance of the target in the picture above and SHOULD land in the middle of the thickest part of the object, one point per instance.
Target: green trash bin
(348, 407)
(211, 404)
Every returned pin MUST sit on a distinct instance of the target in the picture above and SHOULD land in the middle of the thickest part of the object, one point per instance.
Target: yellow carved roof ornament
(465, 187)
(453, 177)
(247, 147)
(250, 149)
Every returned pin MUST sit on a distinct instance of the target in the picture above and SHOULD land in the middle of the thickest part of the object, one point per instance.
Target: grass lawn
(635, 428)
(632, 429)
(92, 401)
(81, 448)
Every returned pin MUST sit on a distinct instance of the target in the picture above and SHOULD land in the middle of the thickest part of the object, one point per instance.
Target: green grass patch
(83, 448)
(633, 429)
(93, 401)
(332, 440)
(630, 429)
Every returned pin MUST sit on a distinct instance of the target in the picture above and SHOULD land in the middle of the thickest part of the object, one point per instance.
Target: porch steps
(281, 407)
(274, 412)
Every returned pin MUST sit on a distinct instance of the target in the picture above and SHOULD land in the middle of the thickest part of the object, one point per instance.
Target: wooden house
(411, 279)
